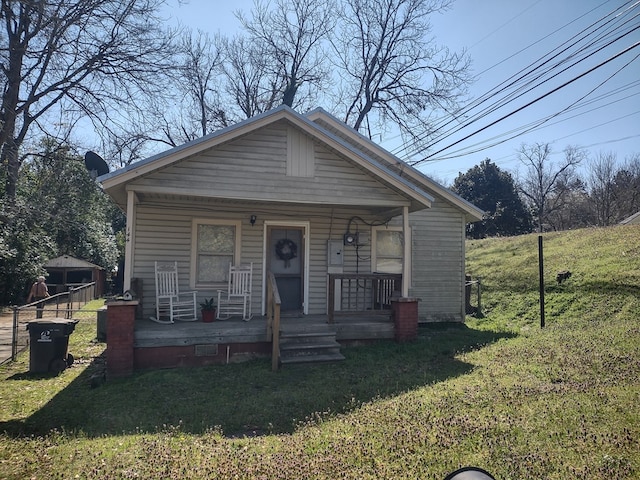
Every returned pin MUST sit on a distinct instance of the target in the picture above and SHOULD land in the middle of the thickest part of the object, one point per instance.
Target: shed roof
(67, 261)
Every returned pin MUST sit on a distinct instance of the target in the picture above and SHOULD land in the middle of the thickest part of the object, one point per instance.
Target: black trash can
(49, 345)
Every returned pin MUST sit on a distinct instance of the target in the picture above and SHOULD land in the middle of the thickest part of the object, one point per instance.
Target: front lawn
(498, 392)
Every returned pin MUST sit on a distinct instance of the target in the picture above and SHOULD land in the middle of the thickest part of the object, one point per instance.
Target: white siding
(164, 229)
(254, 167)
(438, 262)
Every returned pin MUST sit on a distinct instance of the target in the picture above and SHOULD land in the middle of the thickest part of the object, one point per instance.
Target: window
(215, 245)
(387, 250)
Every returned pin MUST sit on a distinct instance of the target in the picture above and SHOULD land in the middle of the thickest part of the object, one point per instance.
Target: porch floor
(234, 330)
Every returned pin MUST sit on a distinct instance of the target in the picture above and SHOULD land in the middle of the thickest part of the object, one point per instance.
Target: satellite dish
(95, 164)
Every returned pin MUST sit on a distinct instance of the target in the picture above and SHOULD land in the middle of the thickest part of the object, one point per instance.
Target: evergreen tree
(58, 210)
(494, 191)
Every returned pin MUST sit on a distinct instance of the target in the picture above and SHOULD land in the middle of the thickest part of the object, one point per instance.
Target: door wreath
(286, 250)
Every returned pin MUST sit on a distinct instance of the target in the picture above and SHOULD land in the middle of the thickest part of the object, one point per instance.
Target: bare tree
(292, 35)
(388, 64)
(200, 70)
(250, 87)
(626, 191)
(192, 106)
(570, 206)
(602, 172)
(545, 181)
(73, 58)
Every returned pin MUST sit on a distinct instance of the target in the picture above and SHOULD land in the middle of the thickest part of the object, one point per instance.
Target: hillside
(500, 393)
(604, 263)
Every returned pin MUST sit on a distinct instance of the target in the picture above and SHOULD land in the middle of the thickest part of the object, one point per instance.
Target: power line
(537, 124)
(631, 47)
(526, 75)
(512, 96)
(508, 83)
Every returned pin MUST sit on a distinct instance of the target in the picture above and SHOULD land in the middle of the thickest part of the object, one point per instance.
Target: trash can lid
(57, 320)
(52, 321)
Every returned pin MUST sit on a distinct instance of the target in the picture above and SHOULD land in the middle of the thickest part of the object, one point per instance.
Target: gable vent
(300, 154)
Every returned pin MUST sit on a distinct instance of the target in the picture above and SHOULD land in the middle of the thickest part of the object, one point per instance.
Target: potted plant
(208, 309)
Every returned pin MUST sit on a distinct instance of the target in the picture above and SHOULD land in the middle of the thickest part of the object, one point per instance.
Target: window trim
(374, 242)
(237, 224)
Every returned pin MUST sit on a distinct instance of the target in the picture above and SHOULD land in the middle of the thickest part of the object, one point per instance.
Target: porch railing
(362, 294)
(273, 319)
(59, 305)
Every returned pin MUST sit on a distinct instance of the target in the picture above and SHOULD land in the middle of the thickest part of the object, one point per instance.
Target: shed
(66, 272)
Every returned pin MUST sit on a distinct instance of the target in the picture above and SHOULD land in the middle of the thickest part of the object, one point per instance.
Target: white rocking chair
(171, 304)
(236, 300)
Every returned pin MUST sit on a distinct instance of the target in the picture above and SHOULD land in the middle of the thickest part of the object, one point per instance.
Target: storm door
(285, 252)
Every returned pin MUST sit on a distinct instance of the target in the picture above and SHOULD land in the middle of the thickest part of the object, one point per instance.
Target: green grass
(498, 392)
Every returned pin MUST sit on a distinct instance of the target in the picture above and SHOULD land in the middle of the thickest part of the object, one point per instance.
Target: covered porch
(235, 330)
(360, 310)
(186, 344)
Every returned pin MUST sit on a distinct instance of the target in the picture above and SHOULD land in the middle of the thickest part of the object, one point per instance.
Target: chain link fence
(14, 337)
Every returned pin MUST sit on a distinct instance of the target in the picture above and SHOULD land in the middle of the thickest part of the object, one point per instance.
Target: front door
(285, 251)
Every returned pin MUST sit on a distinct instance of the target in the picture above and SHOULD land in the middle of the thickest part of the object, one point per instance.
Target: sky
(595, 104)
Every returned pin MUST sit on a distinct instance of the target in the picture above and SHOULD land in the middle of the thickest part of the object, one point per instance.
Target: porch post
(120, 326)
(406, 262)
(129, 240)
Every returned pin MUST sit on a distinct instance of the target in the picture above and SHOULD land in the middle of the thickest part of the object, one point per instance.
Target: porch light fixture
(252, 220)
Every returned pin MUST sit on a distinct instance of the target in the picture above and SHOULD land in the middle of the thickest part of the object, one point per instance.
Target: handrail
(273, 319)
(362, 293)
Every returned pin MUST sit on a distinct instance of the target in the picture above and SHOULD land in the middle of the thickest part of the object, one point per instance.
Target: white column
(406, 263)
(130, 239)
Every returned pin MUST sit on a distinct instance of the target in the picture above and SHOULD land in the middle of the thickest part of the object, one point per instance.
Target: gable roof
(116, 181)
(392, 162)
(67, 261)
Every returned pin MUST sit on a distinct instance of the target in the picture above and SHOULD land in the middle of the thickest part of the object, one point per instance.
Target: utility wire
(514, 95)
(537, 124)
(521, 76)
(531, 68)
(631, 47)
(510, 82)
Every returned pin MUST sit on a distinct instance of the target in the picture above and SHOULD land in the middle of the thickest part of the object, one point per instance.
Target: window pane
(389, 244)
(215, 251)
(389, 265)
(216, 238)
(213, 268)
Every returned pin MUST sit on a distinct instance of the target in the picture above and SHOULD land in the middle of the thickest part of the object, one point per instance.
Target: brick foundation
(187, 356)
(405, 315)
(121, 317)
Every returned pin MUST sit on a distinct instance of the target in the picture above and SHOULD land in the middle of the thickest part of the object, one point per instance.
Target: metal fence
(14, 337)
(477, 285)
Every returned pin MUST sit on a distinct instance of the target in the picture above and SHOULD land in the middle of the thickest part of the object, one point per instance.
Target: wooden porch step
(309, 346)
(311, 359)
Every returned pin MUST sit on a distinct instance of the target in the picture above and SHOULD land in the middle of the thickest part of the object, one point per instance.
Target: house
(328, 212)
(632, 220)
